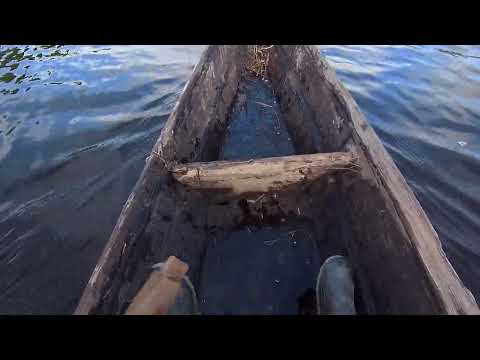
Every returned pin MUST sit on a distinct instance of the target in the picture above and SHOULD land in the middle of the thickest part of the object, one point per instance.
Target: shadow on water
(76, 123)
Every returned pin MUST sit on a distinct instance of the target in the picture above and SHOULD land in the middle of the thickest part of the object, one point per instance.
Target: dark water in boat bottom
(76, 123)
(261, 269)
(256, 128)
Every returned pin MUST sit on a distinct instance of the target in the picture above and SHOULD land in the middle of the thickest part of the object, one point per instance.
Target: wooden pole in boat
(262, 175)
(160, 290)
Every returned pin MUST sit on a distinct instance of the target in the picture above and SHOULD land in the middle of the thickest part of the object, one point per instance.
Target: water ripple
(76, 123)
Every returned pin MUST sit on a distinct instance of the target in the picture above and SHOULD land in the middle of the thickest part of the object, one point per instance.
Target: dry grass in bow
(258, 60)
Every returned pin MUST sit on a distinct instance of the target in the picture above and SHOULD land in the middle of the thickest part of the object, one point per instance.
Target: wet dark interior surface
(77, 122)
(256, 129)
(262, 269)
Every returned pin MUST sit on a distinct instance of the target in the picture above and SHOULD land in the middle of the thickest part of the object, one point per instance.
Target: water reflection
(423, 103)
(71, 148)
(76, 123)
(12, 57)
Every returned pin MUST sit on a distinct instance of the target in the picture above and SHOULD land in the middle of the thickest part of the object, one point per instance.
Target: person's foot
(335, 288)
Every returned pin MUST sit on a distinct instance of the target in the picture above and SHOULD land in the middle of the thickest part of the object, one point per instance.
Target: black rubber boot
(335, 288)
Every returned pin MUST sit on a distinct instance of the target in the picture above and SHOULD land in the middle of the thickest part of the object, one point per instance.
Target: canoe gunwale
(213, 81)
(389, 227)
(333, 111)
(443, 289)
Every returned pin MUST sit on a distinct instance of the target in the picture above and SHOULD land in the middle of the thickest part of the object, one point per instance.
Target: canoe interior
(265, 258)
(261, 256)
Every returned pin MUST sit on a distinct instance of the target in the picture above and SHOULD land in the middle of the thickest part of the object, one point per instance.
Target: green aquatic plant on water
(8, 77)
(12, 57)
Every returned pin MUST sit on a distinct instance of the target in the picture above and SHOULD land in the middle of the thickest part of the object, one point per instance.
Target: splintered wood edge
(262, 175)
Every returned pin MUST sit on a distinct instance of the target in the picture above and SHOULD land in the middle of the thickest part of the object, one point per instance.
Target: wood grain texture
(399, 264)
(268, 175)
(392, 233)
(158, 293)
(143, 235)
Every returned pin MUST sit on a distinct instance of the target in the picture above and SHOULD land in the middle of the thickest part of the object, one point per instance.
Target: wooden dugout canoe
(371, 213)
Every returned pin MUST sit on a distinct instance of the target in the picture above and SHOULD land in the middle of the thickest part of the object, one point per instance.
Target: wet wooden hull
(397, 257)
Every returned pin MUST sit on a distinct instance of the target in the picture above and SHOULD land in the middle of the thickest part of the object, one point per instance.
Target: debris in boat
(8, 233)
(12, 259)
(276, 116)
(431, 284)
(250, 201)
(258, 60)
(270, 242)
(261, 103)
(278, 120)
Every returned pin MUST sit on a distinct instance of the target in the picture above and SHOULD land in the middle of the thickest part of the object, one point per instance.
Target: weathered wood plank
(266, 175)
(392, 232)
(192, 133)
(396, 253)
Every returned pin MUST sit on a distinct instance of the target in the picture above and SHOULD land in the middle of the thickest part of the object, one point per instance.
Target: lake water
(77, 122)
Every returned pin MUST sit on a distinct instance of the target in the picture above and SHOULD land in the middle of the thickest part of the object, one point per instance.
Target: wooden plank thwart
(262, 175)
